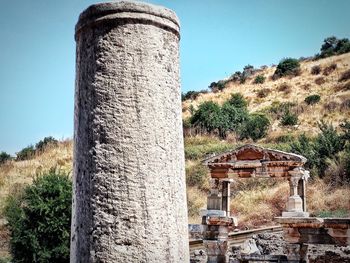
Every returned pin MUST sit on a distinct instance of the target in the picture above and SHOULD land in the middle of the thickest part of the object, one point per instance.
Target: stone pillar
(295, 203)
(129, 201)
(217, 222)
(226, 193)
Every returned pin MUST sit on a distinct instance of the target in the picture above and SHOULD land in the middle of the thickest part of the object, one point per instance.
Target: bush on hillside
(329, 69)
(345, 76)
(237, 100)
(285, 88)
(213, 118)
(263, 93)
(217, 86)
(4, 157)
(232, 118)
(312, 99)
(333, 46)
(241, 77)
(260, 79)
(328, 143)
(255, 127)
(39, 220)
(189, 95)
(42, 144)
(305, 147)
(320, 80)
(287, 67)
(315, 70)
(207, 117)
(26, 153)
(289, 119)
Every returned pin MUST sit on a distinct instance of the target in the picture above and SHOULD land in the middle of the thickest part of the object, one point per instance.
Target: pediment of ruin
(251, 160)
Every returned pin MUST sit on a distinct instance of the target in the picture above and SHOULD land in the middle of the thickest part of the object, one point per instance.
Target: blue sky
(37, 51)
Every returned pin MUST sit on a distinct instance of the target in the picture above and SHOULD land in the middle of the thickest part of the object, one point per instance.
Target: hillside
(255, 202)
(333, 107)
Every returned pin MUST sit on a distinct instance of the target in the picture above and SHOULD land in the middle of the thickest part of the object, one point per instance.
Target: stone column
(226, 194)
(129, 200)
(217, 222)
(295, 203)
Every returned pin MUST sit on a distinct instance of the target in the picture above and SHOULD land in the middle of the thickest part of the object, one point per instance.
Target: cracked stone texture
(129, 200)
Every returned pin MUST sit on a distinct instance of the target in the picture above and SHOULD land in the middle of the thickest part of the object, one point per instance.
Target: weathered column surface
(129, 186)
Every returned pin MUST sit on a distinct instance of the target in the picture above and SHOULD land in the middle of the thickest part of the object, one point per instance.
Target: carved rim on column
(128, 12)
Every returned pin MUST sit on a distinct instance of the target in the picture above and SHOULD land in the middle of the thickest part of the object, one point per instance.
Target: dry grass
(16, 173)
(301, 87)
(196, 200)
(324, 197)
(258, 206)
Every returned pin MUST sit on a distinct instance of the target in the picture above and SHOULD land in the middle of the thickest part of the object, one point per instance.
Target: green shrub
(4, 156)
(217, 86)
(255, 127)
(189, 95)
(260, 79)
(26, 153)
(232, 118)
(333, 46)
(236, 76)
(312, 99)
(328, 143)
(42, 144)
(207, 116)
(212, 118)
(346, 161)
(289, 119)
(305, 146)
(287, 67)
(237, 100)
(39, 220)
(315, 70)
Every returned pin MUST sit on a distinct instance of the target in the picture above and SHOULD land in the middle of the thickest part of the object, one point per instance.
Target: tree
(237, 100)
(255, 127)
(332, 46)
(328, 143)
(4, 156)
(207, 116)
(26, 153)
(39, 220)
(287, 67)
(305, 147)
(40, 146)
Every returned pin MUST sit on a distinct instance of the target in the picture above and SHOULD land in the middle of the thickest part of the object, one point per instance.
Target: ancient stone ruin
(306, 239)
(129, 183)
